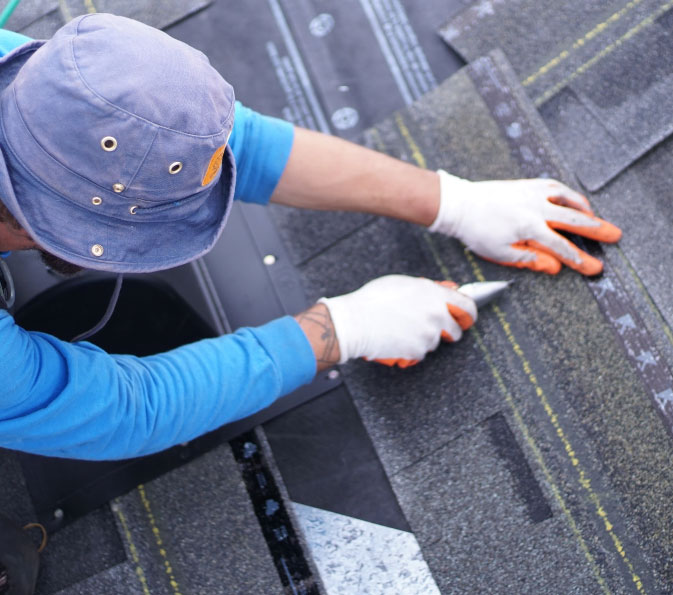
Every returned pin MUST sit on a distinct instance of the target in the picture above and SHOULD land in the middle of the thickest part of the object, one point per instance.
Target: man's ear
(12, 238)
(7, 217)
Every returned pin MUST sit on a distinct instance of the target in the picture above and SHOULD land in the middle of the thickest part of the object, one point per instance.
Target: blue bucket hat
(113, 140)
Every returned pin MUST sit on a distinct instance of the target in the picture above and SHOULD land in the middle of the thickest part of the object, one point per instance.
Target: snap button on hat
(118, 187)
(133, 210)
(109, 143)
(97, 200)
(175, 167)
(97, 250)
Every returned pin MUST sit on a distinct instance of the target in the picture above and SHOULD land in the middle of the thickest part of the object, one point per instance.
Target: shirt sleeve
(76, 401)
(261, 147)
(10, 40)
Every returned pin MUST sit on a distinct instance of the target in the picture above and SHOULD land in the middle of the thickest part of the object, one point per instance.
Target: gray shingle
(201, 517)
(156, 14)
(610, 61)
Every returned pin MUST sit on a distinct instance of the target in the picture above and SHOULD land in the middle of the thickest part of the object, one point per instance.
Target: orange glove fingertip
(604, 232)
(463, 319)
(447, 337)
(394, 361)
(544, 264)
(589, 266)
(448, 284)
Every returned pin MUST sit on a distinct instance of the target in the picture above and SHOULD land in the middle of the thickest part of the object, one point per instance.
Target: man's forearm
(329, 173)
(319, 330)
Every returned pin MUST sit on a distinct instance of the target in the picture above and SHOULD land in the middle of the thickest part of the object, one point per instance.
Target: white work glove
(398, 319)
(512, 222)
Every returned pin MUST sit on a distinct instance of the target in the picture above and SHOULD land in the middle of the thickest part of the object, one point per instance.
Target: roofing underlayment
(531, 457)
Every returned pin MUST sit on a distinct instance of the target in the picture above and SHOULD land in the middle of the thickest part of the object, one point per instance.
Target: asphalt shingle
(609, 61)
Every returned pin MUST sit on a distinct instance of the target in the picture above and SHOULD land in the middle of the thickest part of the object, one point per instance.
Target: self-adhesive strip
(609, 292)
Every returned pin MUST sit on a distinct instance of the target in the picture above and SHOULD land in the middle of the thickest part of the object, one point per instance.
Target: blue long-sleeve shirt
(75, 400)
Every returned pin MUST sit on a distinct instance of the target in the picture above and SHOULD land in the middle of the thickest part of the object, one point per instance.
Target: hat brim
(144, 246)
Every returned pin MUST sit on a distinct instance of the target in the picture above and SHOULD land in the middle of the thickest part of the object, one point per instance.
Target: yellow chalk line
(523, 428)
(140, 573)
(584, 481)
(415, 150)
(157, 538)
(604, 52)
(67, 15)
(597, 30)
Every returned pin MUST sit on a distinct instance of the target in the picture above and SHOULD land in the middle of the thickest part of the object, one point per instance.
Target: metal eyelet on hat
(97, 200)
(118, 187)
(97, 250)
(133, 210)
(175, 167)
(109, 143)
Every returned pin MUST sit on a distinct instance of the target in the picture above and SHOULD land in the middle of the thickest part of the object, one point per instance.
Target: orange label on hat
(213, 166)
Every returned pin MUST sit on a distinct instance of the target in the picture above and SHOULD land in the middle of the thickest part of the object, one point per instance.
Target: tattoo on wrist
(319, 329)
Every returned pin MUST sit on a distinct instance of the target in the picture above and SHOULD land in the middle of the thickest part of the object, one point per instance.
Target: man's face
(59, 265)
(14, 237)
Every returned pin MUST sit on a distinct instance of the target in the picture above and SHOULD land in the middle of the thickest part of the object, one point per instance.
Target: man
(122, 150)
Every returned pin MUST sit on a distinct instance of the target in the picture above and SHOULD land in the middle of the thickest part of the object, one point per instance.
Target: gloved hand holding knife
(397, 319)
